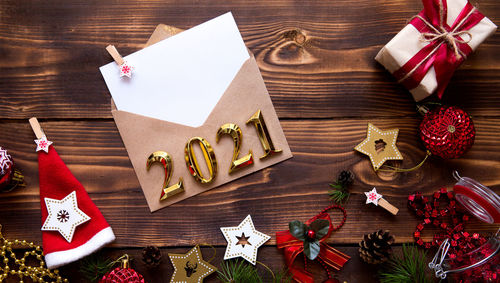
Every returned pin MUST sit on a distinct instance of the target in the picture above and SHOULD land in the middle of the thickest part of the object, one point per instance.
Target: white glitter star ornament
(372, 196)
(243, 240)
(64, 216)
(43, 144)
(126, 69)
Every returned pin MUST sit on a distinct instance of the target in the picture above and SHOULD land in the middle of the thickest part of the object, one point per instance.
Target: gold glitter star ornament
(190, 267)
(380, 146)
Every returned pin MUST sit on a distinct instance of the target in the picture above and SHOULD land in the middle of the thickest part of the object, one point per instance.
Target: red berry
(311, 234)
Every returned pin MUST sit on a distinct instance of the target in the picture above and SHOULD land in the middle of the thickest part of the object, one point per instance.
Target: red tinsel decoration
(447, 132)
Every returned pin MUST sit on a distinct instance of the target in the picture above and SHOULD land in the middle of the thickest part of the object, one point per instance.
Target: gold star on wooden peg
(190, 267)
(380, 146)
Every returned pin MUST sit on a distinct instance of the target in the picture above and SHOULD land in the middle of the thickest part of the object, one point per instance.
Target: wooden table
(316, 58)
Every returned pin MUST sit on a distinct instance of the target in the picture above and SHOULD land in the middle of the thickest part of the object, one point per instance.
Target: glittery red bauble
(447, 132)
(122, 275)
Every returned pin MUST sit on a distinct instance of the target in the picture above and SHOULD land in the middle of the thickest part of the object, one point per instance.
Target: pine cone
(151, 256)
(345, 178)
(375, 248)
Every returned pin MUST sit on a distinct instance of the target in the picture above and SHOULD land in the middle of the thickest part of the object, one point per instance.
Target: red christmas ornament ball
(331, 280)
(447, 132)
(122, 275)
(311, 234)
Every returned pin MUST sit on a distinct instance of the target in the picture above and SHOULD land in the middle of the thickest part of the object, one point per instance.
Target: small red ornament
(123, 274)
(331, 280)
(311, 234)
(10, 177)
(447, 132)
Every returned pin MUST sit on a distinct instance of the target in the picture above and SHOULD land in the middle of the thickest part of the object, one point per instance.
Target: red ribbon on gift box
(447, 48)
(328, 256)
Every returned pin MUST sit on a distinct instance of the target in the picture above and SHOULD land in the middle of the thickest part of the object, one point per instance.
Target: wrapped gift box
(426, 52)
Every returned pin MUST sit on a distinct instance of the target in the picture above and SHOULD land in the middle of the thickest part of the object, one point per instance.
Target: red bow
(446, 49)
(292, 247)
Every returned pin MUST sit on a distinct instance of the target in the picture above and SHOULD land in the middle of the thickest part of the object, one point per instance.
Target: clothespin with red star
(125, 68)
(376, 198)
(41, 142)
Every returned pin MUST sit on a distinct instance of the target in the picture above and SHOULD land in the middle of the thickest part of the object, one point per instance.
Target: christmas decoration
(232, 271)
(243, 240)
(375, 248)
(309, 238)
(95, 266)
(73, 226)
(190, 267)
(380, 146)
(123, 274)
(479, 265)
(124, 67)
(447, 132)
(340, 193)
(410, 267)
(43, 144)
(424, 55)
(478, 199)
(18, 266)
(10, 177)
(433, 213)
(376, 198)
(126, 70)
(64, 216)
(151, 256)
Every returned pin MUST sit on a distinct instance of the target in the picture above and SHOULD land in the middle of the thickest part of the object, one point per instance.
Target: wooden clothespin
(41, 142)
(376, 198)
(125, 68)
(37, 129)
(114, 53)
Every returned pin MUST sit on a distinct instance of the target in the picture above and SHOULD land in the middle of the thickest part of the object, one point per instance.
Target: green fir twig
(410, 267)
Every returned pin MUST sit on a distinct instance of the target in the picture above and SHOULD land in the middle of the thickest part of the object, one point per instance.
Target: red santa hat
(73, 227)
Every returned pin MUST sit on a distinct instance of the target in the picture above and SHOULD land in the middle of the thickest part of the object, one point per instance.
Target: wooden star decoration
(43, 144)
(243, 240)
(64, 216)
(190, 267)
(380, 146)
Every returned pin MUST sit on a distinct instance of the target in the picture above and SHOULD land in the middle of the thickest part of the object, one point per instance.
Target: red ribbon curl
(444, 45)
(292, 247)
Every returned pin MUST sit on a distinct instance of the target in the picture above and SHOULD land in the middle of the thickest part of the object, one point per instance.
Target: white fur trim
(56, 259)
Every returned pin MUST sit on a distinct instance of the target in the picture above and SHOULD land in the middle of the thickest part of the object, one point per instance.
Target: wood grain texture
(95, 154)
(316, 57)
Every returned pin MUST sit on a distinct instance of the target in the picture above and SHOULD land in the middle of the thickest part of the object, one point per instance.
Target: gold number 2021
(193, 166)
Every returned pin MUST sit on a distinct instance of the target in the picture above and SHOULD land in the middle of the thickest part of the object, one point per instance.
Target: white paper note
(181, 78)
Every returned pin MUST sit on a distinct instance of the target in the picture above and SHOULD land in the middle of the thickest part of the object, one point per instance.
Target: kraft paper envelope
(245, 95)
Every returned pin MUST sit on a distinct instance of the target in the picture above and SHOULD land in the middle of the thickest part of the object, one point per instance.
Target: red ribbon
(292, 247)
(443, 59)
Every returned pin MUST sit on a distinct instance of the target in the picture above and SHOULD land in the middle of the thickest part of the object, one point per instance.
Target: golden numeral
(235, 132)
(192, 163)
(265, 139)
(165, 159)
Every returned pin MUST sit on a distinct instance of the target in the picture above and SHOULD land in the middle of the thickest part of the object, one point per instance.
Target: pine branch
(411, 267)
(238, 271)
(94, 267)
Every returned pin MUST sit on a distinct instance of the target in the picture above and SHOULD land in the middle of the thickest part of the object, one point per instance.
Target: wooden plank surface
(94, 153)
(316, 58)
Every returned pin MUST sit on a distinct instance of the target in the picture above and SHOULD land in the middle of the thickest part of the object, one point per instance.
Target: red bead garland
(461, 241)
